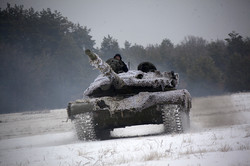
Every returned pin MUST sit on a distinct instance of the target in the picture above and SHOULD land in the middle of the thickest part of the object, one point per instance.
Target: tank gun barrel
(105, 69)
(92, 56)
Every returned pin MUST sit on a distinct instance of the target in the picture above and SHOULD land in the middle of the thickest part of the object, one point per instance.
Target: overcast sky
(150, 21)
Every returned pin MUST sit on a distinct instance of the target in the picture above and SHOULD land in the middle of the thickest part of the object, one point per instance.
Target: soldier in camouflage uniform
(117, 64)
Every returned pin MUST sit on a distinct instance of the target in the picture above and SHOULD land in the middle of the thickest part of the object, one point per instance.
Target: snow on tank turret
(126, 99)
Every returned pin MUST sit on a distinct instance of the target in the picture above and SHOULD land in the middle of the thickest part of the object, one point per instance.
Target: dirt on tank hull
(127, 99)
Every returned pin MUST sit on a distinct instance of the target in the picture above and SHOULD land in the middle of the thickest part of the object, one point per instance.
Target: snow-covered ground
(219, 135)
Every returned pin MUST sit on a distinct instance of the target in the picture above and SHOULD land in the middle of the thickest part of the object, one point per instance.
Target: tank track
(175, 119)
(87, 129)
(84, 126)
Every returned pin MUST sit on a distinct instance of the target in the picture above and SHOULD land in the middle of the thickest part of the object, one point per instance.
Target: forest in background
(43, 66)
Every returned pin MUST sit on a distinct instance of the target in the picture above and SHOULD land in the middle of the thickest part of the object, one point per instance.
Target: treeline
(205, 68)
(42, 62)
(43, 65)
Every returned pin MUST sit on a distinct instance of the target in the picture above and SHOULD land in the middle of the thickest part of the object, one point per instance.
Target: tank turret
(132, 82)
(131, 98)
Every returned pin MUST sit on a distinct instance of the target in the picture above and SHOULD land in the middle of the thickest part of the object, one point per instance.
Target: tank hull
(107, 113)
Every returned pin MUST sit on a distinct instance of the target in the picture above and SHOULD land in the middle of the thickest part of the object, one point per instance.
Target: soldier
(117, 64)
(147, 67)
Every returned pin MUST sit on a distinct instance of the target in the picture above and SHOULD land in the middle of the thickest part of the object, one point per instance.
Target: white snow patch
(221, 146)
(139, 130)
(150, 79)
(220, 135)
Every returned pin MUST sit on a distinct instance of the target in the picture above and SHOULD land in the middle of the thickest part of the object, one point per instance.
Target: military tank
(127, 99)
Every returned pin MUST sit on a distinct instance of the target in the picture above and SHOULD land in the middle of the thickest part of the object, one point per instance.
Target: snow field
(209, 112)
(219, 135)
(34, 123)
(220, 146)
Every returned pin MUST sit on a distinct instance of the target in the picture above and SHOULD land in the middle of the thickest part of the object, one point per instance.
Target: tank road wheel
(175, 119)
(84, 126)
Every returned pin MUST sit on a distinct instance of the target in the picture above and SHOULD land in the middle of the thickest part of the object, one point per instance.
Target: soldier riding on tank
(117, 64)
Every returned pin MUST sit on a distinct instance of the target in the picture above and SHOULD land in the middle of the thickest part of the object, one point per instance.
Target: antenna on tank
(128, 65)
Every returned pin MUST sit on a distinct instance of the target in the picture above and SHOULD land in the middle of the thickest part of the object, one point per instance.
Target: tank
(127, 99)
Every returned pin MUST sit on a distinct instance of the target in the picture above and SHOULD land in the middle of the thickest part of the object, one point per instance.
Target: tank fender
(78, 108)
